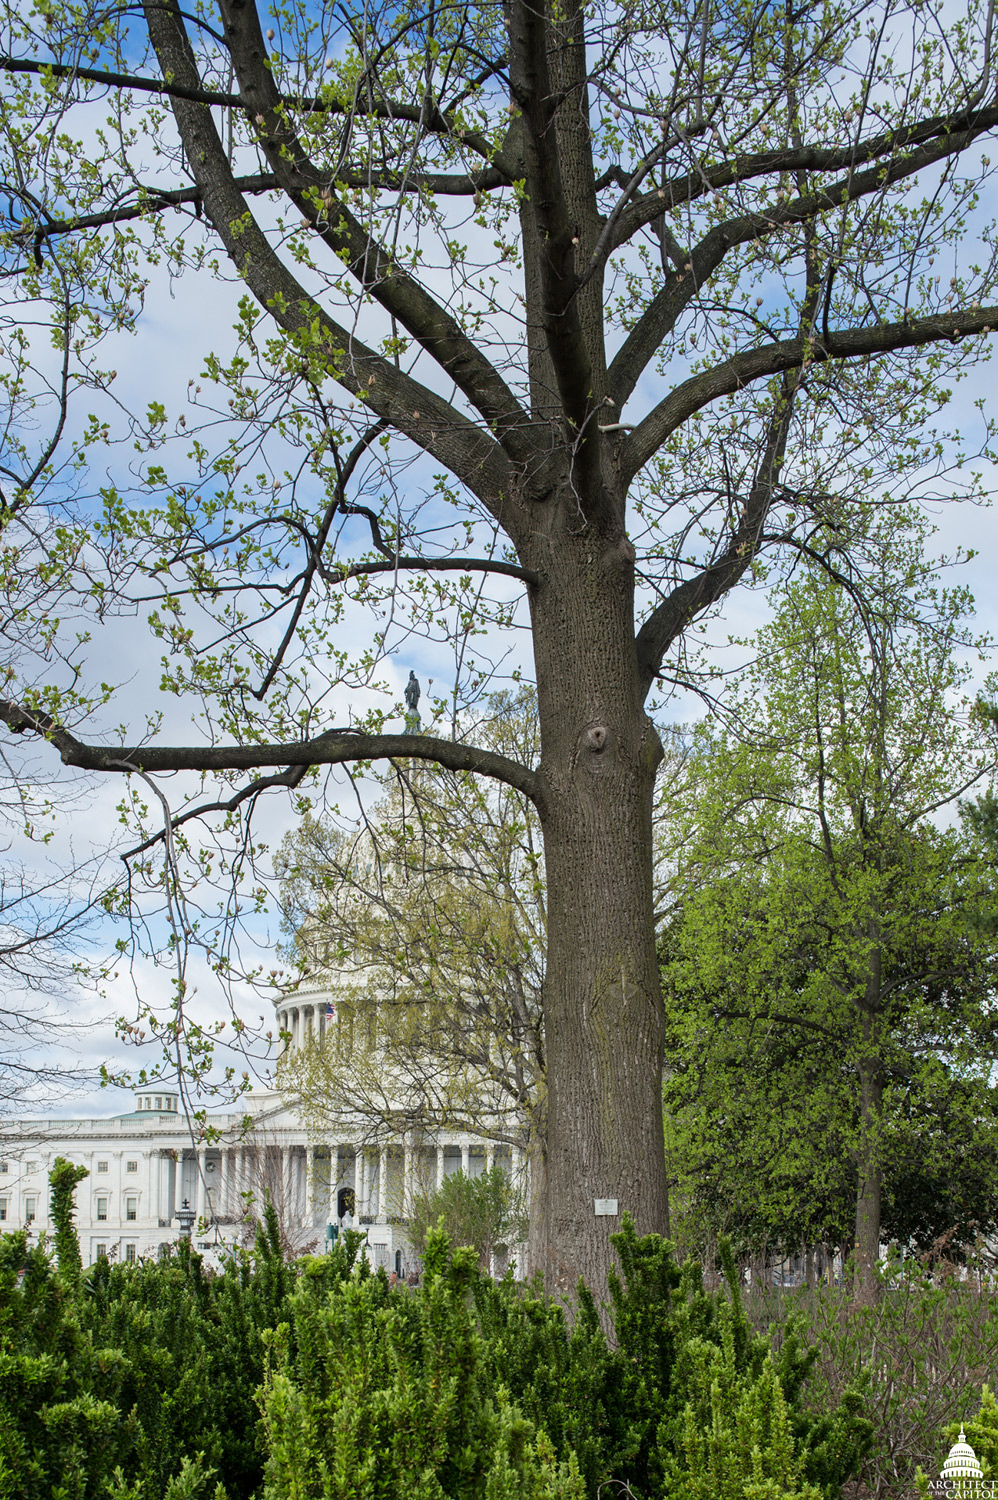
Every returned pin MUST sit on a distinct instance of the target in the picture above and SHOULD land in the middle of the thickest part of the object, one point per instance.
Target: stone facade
(144, 1167)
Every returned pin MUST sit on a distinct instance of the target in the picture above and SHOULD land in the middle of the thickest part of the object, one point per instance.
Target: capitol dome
(962, 1461)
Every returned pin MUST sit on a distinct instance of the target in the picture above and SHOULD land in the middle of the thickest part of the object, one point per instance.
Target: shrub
(132, 1380)
(487, 1211)
(320, 1381)
(919, 1355)
(373, 1392)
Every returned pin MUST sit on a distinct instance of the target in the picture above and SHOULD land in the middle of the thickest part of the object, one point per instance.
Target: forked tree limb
(376, 272)
(433, 423)
(938, 136)
(681, 287)
(698, 593)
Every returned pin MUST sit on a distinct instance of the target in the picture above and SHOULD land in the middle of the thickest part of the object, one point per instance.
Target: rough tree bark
(599, 755)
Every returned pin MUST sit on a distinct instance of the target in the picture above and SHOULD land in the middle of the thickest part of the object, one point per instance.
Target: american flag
(330, 1011)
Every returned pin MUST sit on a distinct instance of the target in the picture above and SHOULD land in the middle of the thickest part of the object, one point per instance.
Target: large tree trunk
(603, 1019)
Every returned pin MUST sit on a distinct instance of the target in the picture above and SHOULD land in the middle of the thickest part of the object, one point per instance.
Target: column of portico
(440, 1167)
(333, 1184)
(357, 1184)
(178, 1181)
(310, 1184)
(360, 1182)
(466, 1160)
(200, 1205)
(147, 1200)
(490, 1158)
(163, 1206)
(383, 1182)
(223, 1193)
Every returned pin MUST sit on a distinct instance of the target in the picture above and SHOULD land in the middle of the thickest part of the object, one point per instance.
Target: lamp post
(186, 1216)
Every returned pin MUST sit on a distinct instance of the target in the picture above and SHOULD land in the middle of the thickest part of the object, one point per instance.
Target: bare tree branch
(334, 747)
(381, 109)
(772, 359)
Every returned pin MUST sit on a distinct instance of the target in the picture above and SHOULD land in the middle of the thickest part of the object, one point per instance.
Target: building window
(102, 1166)
(29, 1210)
(4, 1168)
(3, 1210)
(131, 1166)
(101, 1209)
(130, 1254)
(101, 1252)
(131, 1208)
(159, 1102)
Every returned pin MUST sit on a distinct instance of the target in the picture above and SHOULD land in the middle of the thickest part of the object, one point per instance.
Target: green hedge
(320, 1381)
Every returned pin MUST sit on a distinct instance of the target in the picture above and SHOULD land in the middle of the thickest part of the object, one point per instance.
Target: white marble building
(146, 1164)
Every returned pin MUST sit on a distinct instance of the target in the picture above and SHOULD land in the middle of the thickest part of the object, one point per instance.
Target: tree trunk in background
(537, 1207)
(869, 1170)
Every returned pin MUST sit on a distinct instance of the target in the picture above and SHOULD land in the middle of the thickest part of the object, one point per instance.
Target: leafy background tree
(829, 968)
(486, 1212)
(428, 922)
